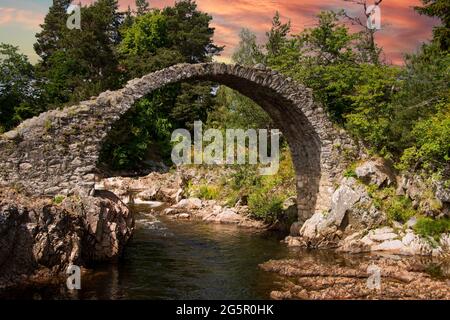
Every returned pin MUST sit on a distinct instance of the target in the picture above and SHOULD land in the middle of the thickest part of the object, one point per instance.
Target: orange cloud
(403, 30)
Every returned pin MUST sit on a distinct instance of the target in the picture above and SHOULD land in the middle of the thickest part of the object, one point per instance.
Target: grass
(397, 208)
(267, 207)
(428, 227)
(207, 192)
(351, 171)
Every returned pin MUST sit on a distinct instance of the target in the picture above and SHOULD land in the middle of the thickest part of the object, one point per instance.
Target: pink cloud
(27, 19)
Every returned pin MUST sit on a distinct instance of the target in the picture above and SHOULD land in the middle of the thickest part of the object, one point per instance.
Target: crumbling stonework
(57, 152)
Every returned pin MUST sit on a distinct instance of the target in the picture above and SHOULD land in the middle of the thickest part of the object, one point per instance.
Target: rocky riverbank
(356, 277)
(167, 193)
(40, 237)
(375, 210)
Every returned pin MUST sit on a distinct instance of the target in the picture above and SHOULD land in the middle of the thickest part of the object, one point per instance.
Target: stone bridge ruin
(57, 152)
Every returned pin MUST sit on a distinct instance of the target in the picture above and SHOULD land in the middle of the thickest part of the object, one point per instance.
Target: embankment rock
(39, 235)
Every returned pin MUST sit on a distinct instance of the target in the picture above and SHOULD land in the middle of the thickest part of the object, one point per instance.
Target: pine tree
(248, 52)
(17, 87)
(79, 63)
(277, 35)
(190, 32)
(49, 39)
(142, 7)
(128, 19)
(441, 10)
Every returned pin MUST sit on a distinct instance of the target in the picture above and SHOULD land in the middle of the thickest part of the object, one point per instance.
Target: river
(168, 259)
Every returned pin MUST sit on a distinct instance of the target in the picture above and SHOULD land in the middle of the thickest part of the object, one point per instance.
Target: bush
(429, 227)
(265, 206)
(399, 209)
(432, 149)
(207, 192)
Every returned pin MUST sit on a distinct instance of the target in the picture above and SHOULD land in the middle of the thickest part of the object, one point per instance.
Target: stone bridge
(57, 152)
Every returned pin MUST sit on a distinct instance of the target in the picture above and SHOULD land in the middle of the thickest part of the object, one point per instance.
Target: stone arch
(57, 152)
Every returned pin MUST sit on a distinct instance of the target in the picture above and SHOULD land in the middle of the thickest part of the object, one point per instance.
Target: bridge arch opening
(287, 104)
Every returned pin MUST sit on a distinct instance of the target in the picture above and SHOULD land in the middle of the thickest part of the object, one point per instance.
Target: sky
(402, 31)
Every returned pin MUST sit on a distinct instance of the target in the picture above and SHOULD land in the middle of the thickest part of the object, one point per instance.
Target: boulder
(442, 193)
(376, 172)
(37, 235)
(390, 245)
(342, 200)
(190, 204)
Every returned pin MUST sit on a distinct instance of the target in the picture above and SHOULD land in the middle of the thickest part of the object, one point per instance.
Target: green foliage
(439, 9)
(193, 103)
(248, 52)
(207, 192)
(49, 38)
(265, 206)
(59, 199)
(147, 33)
(189, 32)
(277, 36)
(144, 127)
(371, 109)
(77, 64)
(265, 194)
(399, 113)
(399, 209)
(422, 91)
(233, 110)
(156, 40)
(142, 7)
(429, 227)
(350, 173)
(323, 58)
(17, 88)
(432, 143)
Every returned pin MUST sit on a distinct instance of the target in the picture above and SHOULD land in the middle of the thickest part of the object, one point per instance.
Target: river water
(169, 259)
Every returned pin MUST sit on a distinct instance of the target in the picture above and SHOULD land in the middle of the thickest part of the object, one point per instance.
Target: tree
(368, 49)
(190, 32)
(423, 90)
(372, 113)
(48, 41)
(441, 10)
(147, 33)
(330, 41)
(155, 40)
(323, 58)
(277, 35)
(233, 110)
(79, 63)
(142, 7)
(248, 53)
(127, 20)
(17, 87)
